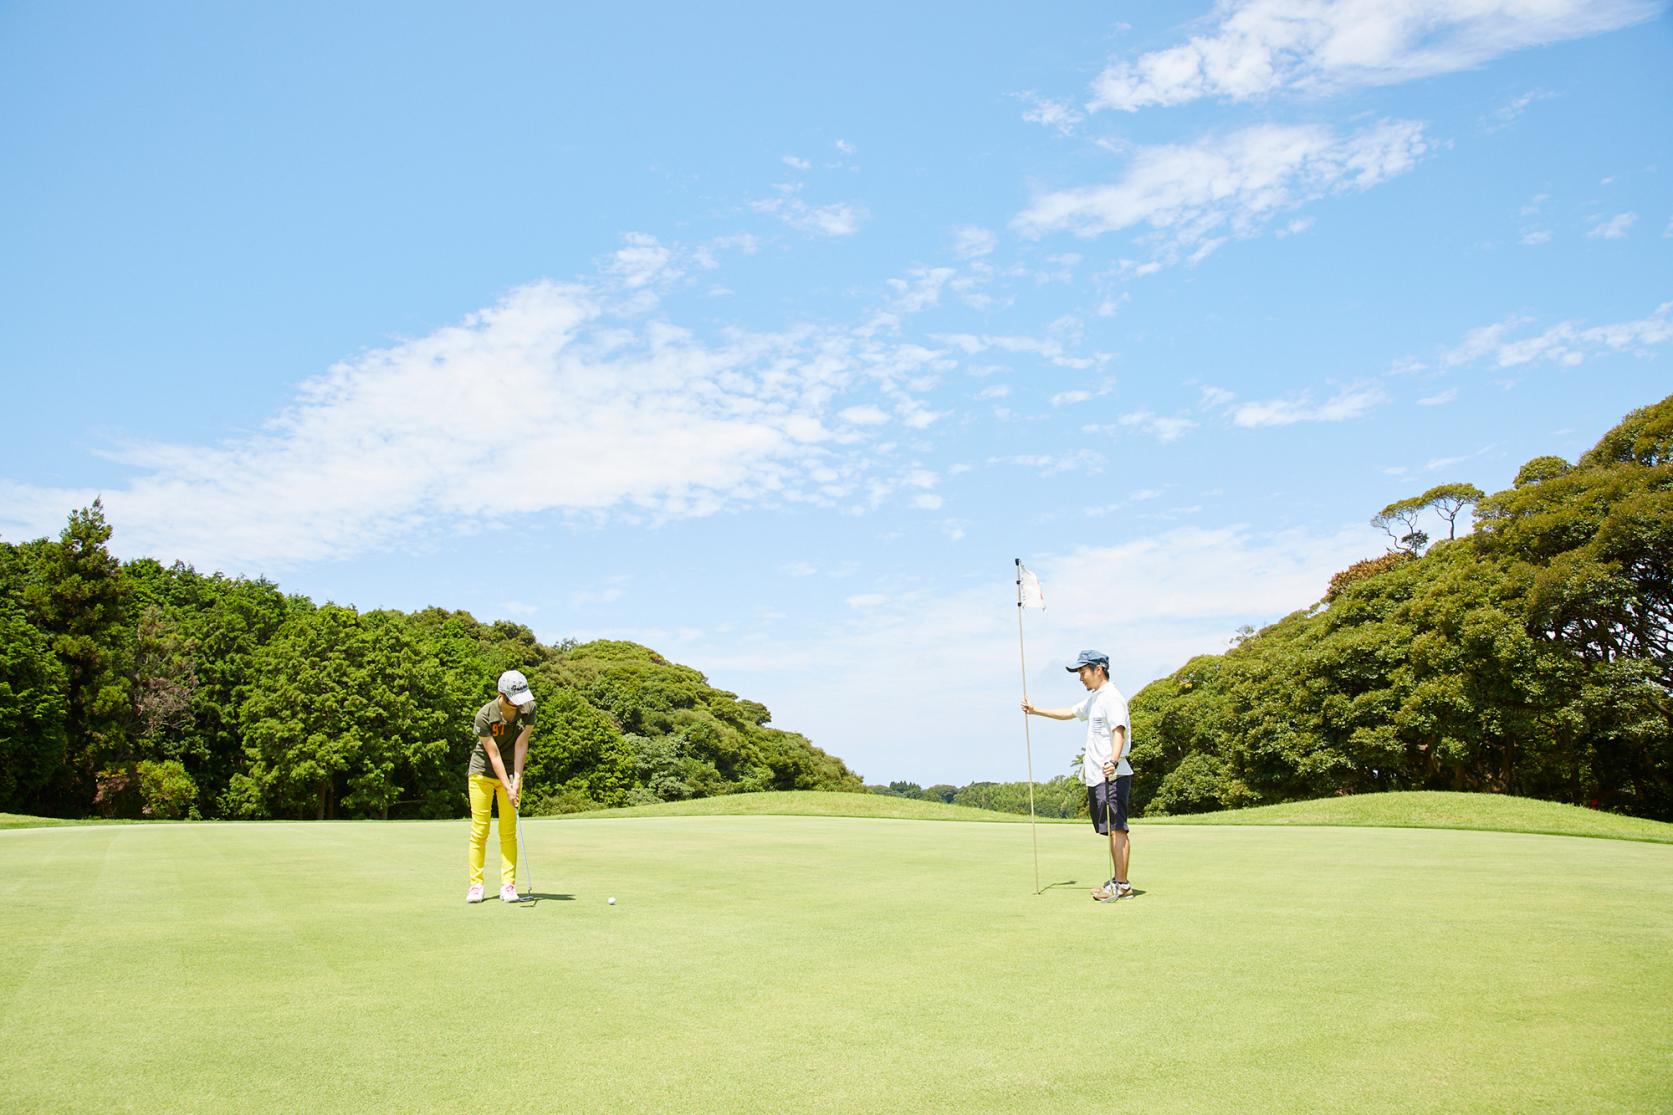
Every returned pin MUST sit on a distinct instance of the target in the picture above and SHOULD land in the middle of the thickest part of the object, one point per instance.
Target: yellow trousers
(482, 804)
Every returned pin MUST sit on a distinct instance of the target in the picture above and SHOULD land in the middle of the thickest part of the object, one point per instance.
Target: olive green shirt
(491, 721)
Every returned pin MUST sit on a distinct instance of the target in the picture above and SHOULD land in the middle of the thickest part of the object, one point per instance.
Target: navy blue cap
(1091, 658)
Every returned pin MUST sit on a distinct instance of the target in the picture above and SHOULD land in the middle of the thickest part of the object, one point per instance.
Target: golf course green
(774, 962)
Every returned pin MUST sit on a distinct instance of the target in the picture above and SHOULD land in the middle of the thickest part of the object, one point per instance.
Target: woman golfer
(505, 721)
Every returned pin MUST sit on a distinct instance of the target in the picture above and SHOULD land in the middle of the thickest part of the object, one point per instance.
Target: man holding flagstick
(1104, 767)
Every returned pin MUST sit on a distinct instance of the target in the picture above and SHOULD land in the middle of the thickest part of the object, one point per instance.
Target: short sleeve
(1117, 708)
(1083, 709)
(482, 721)
(528, 715)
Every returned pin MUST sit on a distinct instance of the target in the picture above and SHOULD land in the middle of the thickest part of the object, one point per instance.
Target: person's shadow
(533, 898)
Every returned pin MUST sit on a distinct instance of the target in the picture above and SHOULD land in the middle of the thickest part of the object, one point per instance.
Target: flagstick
(1028, 742)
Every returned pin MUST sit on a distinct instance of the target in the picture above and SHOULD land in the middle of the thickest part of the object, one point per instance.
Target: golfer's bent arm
(493, 750)
(519, 753)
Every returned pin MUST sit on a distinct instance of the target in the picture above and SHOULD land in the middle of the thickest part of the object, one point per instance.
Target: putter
(522, 853)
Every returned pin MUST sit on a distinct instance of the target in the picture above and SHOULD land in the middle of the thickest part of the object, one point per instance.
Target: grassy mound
(810, 803)
(1429, 809)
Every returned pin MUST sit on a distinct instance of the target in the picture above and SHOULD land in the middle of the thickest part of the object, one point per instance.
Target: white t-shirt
(1104, 710)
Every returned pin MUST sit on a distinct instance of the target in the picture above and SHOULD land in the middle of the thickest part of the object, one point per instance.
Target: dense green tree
(73, 591)
(33, 708)
(1531, 657)
(342, 711)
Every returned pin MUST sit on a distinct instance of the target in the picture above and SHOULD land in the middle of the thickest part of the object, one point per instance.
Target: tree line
(1532, 657)
(134, 689)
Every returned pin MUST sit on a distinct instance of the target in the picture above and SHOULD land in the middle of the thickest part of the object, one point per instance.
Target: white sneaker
(508, 893)
(474, 894)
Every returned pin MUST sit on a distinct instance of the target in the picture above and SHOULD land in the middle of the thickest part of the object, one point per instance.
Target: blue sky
(770, 341)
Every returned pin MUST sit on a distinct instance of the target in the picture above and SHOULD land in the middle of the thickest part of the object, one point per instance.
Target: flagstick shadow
(1064, 883)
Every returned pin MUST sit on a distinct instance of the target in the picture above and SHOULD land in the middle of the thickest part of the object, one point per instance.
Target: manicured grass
(810, 803)
(22, 821)
(1431, 809)
(784, 963)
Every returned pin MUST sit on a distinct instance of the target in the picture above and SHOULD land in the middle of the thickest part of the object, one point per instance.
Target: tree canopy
(135, 689)
(1532, 657)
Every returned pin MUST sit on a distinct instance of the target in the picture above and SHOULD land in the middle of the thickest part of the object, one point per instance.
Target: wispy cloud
(1060, 116)
(1049, 349)
(621, 416)
(1568, 342)
(840, 218)
(1051, 464)
(1614, 228)
(1160, 427)
(1440, 398)
(643, 261)
(1258, 47)
(970, 242)
(1506, 115)
(1191, 198)
(1351, 402)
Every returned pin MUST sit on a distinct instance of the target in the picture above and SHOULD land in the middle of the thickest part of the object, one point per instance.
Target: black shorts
(1115, 794)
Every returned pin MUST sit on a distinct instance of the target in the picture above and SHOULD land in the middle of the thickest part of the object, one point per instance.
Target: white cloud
(970, 242)
(801, 569)
(1216, 396)
(994, 391)
(842, 218)
(1439, 399)
(629, 418)
(1614, 228)
(1049, 348)
(863, 415)
(1083, 460)
(1191, 198)
(921, 289)
(1507, 114)
(587, 597)
(845, 147)
(1351, 402)
(1069, 398)
(1536, 236)
(1568, 343)
(1259, 47)
(795, 163)
(1163, 429)
(1060, 116)
(643, 261)
(867, 600)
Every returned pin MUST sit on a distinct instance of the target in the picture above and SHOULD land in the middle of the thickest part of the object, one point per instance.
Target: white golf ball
(612, 901)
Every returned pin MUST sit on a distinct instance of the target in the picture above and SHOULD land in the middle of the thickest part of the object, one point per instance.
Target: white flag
(1029, 592)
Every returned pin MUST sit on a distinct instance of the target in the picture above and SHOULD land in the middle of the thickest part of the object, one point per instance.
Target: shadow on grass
(1064, 883)
(533, 898)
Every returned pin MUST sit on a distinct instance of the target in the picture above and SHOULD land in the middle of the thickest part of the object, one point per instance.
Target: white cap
(514, 685)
